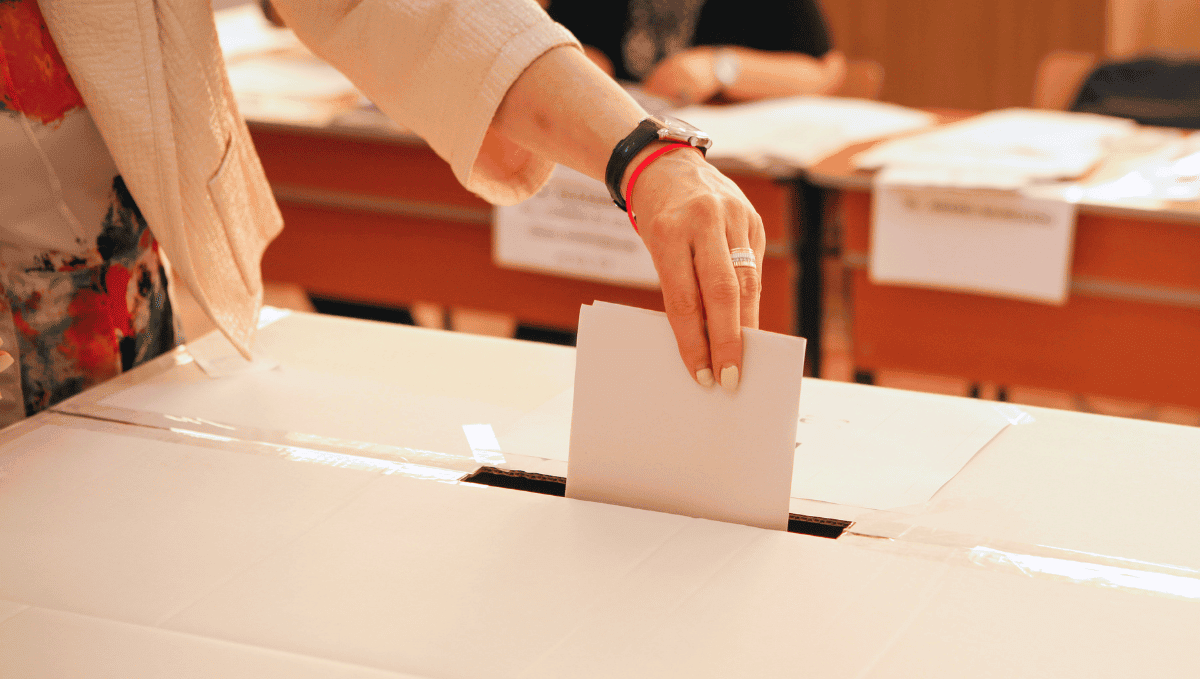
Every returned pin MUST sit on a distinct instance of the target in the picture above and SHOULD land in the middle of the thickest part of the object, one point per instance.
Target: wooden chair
(864, 80)
(1059, 78)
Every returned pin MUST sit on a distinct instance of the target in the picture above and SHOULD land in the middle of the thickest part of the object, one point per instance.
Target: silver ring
(743, 257)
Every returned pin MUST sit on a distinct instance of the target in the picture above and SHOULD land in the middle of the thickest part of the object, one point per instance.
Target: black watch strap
(642, 135)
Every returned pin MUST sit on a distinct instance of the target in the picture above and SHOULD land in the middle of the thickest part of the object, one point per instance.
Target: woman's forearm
(563, 107)
(689, 215)
(782, 74)
(690, 77)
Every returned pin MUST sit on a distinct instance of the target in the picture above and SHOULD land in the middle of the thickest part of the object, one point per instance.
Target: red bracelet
(638, 170)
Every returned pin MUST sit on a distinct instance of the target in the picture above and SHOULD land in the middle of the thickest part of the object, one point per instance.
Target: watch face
(675, 129)
(726, 68)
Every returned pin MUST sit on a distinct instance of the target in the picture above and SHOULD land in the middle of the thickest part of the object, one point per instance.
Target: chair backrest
(864, 80)
(1059, 78)
(1152, 90)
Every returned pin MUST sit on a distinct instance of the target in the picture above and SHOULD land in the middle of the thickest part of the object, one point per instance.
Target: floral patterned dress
(83, 289)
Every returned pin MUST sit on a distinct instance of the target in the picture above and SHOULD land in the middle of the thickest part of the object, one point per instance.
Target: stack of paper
(795, 132)
(1002, 149)
(645, 434)
(1155, 167)
(276, 78)
(244, 31)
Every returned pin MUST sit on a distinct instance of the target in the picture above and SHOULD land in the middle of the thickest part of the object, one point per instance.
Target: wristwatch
(726, 68)
(651, 129)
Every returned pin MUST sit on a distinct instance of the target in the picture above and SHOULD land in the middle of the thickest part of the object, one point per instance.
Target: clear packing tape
(886, 531)
(299, 446)
(219, 361)
(1032, 561)
(329, 459)
(336, 449)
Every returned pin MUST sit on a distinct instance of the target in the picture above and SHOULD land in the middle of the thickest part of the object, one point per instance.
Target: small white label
(571, 228)
(981, 241)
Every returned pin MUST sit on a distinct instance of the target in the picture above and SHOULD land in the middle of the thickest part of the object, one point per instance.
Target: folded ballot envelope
(644, 434)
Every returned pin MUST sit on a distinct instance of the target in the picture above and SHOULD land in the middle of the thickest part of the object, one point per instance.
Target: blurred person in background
(121, 150)
(692, 51)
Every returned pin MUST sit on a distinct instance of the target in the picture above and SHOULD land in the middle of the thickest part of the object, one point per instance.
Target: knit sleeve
(440, 68)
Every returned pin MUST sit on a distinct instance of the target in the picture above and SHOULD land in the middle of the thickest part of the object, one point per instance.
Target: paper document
(274, 77)
(1004, 149)
(858, 446)
(979, 241)
(885, 448)
(244, 31)
(644, 434)
(572, 228)
(790, 134)
(1150, 170)
(295, 88)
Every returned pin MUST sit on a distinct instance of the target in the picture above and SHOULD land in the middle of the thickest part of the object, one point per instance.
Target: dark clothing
(769, 25)
(1150, 90)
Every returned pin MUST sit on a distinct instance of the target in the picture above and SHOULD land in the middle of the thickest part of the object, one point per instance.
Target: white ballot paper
(571, 228)
(645, 435)
(981, 241)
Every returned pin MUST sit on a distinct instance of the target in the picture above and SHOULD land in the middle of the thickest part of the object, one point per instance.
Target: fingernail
(729, 377)
(5, 361)
(705, 377)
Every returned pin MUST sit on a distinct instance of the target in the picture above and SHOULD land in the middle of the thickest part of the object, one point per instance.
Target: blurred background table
(1129, 330)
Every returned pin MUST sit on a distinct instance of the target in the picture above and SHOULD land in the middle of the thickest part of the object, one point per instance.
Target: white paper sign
(981, 241)
(571, 228)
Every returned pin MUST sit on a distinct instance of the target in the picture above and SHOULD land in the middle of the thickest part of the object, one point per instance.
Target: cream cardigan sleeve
(440, 68)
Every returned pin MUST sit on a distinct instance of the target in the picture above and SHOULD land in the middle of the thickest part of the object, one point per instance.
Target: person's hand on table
(690, 217)
(690, 76)
(685, 77)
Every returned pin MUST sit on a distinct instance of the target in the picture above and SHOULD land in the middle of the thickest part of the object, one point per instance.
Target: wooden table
(1130, 329)
(373, 215)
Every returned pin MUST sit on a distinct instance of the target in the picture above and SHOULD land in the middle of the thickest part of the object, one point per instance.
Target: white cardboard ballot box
(151, 553)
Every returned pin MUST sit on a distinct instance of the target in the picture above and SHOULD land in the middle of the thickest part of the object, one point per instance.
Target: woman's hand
(685, 77)
(688, 77)
(690, 216)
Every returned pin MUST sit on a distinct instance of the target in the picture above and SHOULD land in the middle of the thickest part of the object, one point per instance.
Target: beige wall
(973, 54)
(1136, 26)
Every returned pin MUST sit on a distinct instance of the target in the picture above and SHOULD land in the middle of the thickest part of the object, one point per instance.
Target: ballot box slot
(557, 485)
(816, 525)
(517, 480)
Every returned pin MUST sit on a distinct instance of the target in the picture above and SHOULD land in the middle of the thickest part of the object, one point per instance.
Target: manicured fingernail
(729, 377)
(5, 361)
(705, 377)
